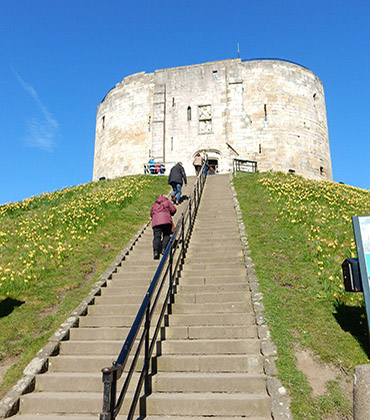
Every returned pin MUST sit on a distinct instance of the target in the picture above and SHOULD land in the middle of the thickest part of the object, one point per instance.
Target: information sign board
(361, 228)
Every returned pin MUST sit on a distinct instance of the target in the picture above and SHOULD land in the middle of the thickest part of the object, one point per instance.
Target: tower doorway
(212, 165)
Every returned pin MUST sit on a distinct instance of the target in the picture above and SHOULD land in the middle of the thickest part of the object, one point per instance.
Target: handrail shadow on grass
(8, 305)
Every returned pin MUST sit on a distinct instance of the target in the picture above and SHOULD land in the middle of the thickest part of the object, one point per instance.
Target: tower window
(103, 122)
(189, 113)
(149, 123)
(265, 110)
(260, 149)
(171, 144)
(215, 75)
(321, 170)
(205, 119)
(173, 101)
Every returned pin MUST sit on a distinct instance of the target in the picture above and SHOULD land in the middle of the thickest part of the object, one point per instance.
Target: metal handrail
(244, 165)
(167, 271)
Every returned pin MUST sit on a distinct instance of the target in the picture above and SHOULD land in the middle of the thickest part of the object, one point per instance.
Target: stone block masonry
(269, 111)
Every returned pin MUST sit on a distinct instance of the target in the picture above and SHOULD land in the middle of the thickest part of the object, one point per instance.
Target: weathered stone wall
(269, 111)
(122, 136)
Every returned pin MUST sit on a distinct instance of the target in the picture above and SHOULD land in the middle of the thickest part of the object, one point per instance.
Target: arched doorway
(214, 158)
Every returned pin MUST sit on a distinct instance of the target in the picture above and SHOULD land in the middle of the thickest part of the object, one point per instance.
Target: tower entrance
(212, 165)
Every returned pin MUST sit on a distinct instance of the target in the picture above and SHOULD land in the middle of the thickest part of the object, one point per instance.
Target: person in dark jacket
(176, 178)
(161, 213)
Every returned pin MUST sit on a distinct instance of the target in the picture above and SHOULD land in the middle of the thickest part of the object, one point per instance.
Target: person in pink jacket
(161, 213)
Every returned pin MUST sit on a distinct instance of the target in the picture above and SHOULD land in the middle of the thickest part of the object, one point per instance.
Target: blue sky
(59, 59)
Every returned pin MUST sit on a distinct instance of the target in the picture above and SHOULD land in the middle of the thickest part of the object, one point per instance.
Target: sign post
(361, 228)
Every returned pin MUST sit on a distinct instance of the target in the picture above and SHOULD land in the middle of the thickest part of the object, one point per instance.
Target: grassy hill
(52, 248)
(299, 233)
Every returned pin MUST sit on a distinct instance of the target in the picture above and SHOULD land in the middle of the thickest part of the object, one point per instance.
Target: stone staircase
(210, 362)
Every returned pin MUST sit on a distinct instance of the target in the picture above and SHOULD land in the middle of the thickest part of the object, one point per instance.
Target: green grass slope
(52, 248)
(300, 232)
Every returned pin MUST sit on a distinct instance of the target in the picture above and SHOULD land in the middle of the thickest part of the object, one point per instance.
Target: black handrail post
(190, 224)
(183, 239)
(171, 267)
(148, 388)
(109, 394)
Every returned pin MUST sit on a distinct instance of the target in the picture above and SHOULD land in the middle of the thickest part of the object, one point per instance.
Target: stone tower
(269, 111)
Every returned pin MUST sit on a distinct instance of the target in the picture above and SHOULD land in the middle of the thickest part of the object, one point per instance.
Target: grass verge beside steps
(299, 233)
(53, 248)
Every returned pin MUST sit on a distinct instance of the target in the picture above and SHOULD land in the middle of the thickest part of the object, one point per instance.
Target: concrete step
(220, 258)
(105, 310)
(233, 266)
(215, 231)
(246, 363)
(66, 403)
(215, 235)
(218, 248)
(209, 382)
(111, 347)
(194, 308)
(205, 297)
(208, 404)
(213, 332)
(89, 363)
(180, 332)
(139, 268)
(206, 230)
(218, 215)
(78, 382)
(211, 347)
(189, 279)
(96, 334)
(201, 225)
(126, 282)
(128, 290)
(227, 271)
(230, 319)
(129, 263)
(212, 288)
(213, 242)
(120, 298)
(56, 417)
(70, 382)
(148, 275)
(106, 321)
(154, 417)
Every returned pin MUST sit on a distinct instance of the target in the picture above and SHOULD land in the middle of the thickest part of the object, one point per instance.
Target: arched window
(189, 113)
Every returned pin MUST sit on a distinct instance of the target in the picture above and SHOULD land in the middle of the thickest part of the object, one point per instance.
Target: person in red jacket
(161, 213)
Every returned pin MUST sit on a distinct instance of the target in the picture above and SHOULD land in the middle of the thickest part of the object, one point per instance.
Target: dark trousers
(161, 236)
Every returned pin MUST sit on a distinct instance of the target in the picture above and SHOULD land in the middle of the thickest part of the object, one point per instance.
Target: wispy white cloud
(42, 132)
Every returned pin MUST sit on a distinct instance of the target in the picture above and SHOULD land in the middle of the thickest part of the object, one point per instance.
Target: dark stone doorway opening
(212, 166)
